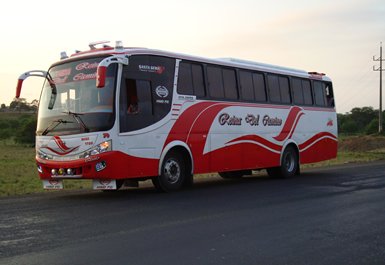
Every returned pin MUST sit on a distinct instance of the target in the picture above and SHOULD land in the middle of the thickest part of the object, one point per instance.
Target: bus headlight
(43, 155)
(100, 148)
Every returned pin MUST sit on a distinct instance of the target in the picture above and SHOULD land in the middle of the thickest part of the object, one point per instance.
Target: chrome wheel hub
(172, 171)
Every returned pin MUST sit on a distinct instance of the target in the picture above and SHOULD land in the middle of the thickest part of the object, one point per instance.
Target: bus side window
(319, 94)
(259, 87)
(284, 89)
(329, 95)
(139, 97)
(185, 80)
(190, 79)
(144, 97)
(246, 85)
(132, 97)
(136, 109)
(215, 82)
(230, 84)
(307, 96)
(198, 80)
(301, 92)
(297, 91)
(273, 87)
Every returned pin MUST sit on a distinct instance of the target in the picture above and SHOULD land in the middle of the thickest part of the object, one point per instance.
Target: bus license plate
(102, 184)
(54, 184)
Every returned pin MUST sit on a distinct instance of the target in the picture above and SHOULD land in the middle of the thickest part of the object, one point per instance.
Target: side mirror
(101, 76)
(26, 75)
(18, 87)
(101, 72)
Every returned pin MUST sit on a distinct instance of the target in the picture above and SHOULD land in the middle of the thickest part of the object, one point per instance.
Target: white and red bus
(117, 115)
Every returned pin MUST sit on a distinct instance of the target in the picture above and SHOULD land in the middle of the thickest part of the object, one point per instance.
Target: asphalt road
(325, 216)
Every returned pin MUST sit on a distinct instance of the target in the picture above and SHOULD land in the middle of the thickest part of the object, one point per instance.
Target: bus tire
(173, 173)
(189, 180)
(289, 164)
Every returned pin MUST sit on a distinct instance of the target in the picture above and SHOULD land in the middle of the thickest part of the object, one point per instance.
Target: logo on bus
(86, 66)
(225, 118)
(54, 182)
(161, 91)
(152, 69)
(252, 120)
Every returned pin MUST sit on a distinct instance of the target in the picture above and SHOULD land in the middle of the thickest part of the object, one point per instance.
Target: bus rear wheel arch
(175, 171)
(289, 164)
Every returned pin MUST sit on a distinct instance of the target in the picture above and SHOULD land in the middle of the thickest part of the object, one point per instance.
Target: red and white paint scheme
(117, 115)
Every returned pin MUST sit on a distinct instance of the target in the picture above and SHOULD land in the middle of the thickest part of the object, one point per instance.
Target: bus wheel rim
(289, 162)
(172, 171)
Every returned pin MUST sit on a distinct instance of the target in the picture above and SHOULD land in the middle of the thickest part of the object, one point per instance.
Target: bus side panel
(223, 137)
(192, 127)
(242, 156)
(321, 150)
(320, 143)
(196, 142)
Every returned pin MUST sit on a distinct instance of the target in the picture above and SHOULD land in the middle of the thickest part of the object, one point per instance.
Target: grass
(345, 157)
(18, 174)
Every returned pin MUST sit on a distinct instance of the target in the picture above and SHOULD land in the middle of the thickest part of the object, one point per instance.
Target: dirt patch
(362, 143)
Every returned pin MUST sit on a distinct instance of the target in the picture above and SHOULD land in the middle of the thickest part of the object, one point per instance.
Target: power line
(358, 82)
(380, 70)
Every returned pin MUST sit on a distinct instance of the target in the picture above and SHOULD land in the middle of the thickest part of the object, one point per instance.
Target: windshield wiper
(59, 121)
(78, 119)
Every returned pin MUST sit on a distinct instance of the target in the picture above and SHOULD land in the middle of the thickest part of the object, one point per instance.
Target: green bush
(359, 121)
(26, 134)
(19, 128)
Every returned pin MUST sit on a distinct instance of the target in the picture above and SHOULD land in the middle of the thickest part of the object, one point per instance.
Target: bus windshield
(70, 103)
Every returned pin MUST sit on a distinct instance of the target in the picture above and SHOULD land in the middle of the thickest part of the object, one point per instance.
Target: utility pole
(380, 70)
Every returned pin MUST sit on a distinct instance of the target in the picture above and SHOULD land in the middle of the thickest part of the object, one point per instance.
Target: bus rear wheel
(172, 175)
(289, 164)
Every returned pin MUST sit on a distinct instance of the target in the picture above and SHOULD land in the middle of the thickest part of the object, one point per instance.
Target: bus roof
(231, 62)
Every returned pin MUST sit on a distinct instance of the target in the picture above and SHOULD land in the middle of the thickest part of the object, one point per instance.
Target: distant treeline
(20, 105)
(18, 122)
(360, 121)
(18, 128)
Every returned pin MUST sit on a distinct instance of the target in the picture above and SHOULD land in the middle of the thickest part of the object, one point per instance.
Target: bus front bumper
(104, 167)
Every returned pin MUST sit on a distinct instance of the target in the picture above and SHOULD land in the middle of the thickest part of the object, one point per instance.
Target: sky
(338, 38)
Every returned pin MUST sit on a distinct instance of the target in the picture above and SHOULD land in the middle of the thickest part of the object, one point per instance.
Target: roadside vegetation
(360, 121)
(358, 142)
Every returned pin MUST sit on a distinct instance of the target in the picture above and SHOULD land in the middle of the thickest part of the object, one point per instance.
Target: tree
(26, 134)
(363, 116)
(22, 105)
(359, 120)
(19, 105)
(34, 105)
(5, 130)
(349, 127)
(372, 127)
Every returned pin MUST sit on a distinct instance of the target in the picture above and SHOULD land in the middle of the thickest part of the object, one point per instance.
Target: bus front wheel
(172, 173)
